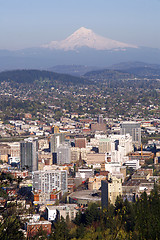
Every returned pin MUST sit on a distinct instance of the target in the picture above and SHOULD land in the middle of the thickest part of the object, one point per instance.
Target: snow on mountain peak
(84, 37)
(83, 30)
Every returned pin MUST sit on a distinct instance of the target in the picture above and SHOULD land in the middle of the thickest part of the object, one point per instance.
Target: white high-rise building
(49, 180)
(123, 141)
(121, 145)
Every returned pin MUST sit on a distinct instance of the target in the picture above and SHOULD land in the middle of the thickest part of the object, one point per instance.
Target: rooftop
(85, 195)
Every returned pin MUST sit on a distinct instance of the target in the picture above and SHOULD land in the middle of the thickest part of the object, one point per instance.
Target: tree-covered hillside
(129, 74)
(107, 74)
(30, 76)
(124, 221)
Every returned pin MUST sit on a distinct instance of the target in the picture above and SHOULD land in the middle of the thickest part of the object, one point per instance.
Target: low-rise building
(84, 197)
(65, 210)
(84, 173)
(141, 176)
(34, 227)
(137, 186)
(95, 158)
(132, 164)
(141, 155)
(80, 142)
(94, 183)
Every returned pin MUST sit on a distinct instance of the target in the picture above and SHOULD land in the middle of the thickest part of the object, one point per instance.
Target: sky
(32, 23)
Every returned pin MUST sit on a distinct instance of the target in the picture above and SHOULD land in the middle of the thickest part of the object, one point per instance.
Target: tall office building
(47, 181)
(134, 129)
(104, 193)
(55, 140)
(29, 154)
(63, 154)
(100, 119)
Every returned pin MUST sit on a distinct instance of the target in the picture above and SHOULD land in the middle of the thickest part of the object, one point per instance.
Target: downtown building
(48, 181)
(110, 190)
(29, 154)
(55, 140)
(63, 154)
(134, 129)
(116, 147)
(121, 146)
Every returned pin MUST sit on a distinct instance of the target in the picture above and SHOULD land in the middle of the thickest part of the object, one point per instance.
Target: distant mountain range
(83, 47)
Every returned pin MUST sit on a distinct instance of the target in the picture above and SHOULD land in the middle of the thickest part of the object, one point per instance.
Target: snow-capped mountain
(84, 37)
(83, 47)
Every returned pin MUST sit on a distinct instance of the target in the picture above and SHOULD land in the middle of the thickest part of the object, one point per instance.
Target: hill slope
(30, 76)
(145, 72)
(108, 74)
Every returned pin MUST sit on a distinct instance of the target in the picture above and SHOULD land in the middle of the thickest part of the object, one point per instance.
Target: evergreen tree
(10, 229)
(61, 231)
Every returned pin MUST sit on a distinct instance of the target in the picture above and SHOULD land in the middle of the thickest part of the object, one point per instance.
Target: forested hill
(108, 74)
(30, 76)
(129, 73)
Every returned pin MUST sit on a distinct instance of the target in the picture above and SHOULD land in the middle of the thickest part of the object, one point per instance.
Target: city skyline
(32, 24)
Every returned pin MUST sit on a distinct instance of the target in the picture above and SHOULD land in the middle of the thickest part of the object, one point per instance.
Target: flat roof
(85, 195)
(39, 223)
(104, 140)
(62, 207)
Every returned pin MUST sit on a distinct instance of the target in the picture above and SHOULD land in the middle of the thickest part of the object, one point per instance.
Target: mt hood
(84, 37)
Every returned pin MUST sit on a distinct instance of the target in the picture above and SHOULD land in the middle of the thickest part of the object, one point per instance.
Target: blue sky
(32, 23)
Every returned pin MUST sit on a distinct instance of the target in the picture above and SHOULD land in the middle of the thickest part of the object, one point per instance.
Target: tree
(143, 217)
(61, 231)
(10, 229)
